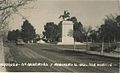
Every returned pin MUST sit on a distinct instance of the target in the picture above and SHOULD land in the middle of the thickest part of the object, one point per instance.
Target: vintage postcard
(65, 36)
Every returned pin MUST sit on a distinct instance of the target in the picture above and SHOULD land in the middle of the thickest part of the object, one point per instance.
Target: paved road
(51, 58)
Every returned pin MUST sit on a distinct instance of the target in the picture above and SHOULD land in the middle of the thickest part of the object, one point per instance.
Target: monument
(67, 28)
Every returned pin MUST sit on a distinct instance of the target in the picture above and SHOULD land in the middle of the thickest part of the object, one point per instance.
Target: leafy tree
(37, 38)
(8, 8)
(77, 30)
(118, 26)
(18, 34)
(27, 31)
(94, 36)
(86, 32)
(118, 19)
(14, 35)
(10, 36)
(109, 30)
(51, 32)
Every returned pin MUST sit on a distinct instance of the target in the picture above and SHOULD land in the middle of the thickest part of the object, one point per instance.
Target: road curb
(85, 52)
(88, 52)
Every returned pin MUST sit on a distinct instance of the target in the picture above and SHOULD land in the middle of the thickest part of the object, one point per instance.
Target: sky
(88, 12)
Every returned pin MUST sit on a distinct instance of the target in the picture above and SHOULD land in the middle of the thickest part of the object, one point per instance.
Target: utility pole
(74, 44)
(102, 47)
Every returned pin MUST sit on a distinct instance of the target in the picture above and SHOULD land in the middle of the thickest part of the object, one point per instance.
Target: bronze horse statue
(65, 15)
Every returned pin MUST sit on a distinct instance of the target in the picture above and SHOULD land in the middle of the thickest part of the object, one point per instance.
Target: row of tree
(27, 33)
(107, 32)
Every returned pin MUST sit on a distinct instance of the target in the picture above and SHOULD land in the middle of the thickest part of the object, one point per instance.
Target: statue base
(67, 30)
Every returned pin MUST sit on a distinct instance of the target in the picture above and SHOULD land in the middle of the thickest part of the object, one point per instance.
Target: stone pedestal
(67, 26)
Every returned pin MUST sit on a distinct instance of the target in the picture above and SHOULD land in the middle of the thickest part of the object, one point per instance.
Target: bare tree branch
(9, 7)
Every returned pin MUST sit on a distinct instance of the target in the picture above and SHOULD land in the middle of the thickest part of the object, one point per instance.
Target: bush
(110, 49)
(94, 48)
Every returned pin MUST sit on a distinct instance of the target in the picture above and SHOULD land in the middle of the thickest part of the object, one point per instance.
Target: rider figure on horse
(65, 16)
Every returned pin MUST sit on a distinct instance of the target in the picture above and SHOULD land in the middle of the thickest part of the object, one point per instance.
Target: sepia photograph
(60, 36)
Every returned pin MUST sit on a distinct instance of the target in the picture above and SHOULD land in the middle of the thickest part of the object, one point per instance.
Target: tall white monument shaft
(67, 27)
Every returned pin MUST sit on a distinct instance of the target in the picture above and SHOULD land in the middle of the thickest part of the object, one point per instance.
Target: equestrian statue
(65, 16)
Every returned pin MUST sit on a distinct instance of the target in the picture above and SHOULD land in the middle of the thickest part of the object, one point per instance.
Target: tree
(110, 30)
(94, 36)
(118, 26)
(18, 34)
(10, 36)
(9, 7)
(86, 32)
(118, 19)
(27, 31)
(51, 32)
(14, 35)
(77, 30)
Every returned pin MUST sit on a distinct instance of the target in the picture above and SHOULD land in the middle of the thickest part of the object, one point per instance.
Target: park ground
(57, 55)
